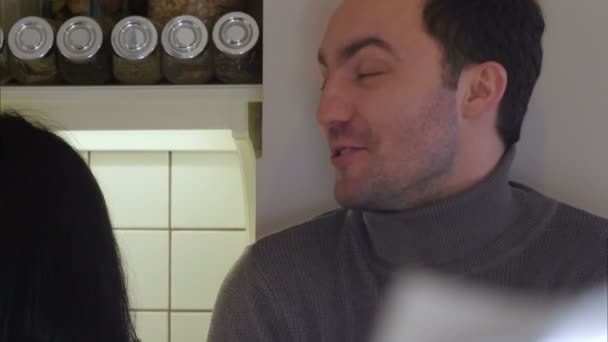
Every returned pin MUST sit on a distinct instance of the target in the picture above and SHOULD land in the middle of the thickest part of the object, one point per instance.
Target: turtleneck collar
(448, 230)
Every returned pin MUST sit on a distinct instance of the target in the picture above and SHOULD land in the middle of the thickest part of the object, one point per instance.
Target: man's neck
(448, 229)
(473, 164)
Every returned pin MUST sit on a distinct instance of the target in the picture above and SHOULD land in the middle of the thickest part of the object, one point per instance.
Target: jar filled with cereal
(85, 54)
(137, 57)
(209, 11)
(238, 53)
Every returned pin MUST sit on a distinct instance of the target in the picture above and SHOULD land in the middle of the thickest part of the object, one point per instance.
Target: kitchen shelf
(162, 107)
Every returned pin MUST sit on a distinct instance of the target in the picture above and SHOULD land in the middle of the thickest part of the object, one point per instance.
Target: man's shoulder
(300, 243)
(564, 218)
(581, 241)
(580, 222)
(321, 232)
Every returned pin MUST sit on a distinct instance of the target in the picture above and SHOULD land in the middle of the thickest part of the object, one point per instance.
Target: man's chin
(351, 199)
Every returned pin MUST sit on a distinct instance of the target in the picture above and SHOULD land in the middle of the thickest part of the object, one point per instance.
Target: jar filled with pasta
(32, 58)
(13, 10)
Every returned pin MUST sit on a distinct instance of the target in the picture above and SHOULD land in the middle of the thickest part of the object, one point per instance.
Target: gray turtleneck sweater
(323, 280)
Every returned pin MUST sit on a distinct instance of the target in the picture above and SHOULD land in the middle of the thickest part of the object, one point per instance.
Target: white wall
(564, 151)
(294, 176)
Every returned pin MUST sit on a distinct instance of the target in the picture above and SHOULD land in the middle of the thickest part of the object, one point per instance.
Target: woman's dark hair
(508, 32)
(62, 279)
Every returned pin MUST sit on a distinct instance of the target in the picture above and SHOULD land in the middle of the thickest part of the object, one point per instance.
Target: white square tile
(136, 187)
(199, 264)
(207, 190)
(152, 326)
(145, 257)
(190, 327)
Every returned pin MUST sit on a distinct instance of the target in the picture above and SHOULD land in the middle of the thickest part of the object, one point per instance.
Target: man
(422, 105)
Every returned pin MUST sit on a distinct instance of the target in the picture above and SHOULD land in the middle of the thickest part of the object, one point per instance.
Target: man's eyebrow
(350, 50)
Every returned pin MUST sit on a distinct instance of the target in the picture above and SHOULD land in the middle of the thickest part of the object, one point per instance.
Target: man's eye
(362, 76)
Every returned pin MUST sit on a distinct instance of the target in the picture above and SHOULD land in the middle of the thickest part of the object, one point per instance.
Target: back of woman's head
(61, 280)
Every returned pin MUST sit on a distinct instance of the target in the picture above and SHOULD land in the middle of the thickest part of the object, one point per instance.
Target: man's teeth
(343, 150)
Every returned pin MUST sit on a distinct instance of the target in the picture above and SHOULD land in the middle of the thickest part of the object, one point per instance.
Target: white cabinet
(152, 326)
(190, 327)
(145, 257)
(207, 191)
(136, 187)
(177, 169)
(200, 261)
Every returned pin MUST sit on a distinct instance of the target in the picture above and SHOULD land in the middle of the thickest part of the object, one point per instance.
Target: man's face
(391, 123)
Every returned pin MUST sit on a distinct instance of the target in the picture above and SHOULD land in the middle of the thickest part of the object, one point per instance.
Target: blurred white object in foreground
(426, 308)
(583, 319)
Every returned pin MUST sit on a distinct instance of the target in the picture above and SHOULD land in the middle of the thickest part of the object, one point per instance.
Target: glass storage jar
(61, 10)
(137, 58)
(138, 7)
(85, 55)
(32, 58)
(5, 76)
(161, 11)
(187, 56)
(238, 55)
(13, 10)
(255, 8)
(108, 12)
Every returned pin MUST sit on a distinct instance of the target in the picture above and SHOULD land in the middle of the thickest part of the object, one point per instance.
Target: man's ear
(482, 88)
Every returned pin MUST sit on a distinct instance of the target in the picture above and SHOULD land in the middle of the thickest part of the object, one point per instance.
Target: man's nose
(335, 108)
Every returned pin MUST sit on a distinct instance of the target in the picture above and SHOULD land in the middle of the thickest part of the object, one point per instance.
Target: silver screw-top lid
(185, 37)
(236, 33)
(31, 38)
(79, 38)
(134, 38)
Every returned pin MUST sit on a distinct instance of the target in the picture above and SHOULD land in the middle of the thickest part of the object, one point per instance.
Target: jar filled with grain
(137, 58)
(238, 55)
(32, 58)
(13, 10)
(61, 10)
(108, 12)
(187, 57)
(209, 11)
(85, 54)
(5, 77)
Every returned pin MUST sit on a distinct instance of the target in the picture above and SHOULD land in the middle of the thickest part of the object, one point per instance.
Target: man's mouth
(343, 156)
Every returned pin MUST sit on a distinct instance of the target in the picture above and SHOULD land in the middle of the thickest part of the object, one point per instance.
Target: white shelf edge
(160, 107)
(250, 93)
(165, 140)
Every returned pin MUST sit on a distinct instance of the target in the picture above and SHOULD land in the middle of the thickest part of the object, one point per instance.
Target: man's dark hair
(508, 32)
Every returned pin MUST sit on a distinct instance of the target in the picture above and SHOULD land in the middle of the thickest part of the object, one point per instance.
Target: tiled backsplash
(180, 219)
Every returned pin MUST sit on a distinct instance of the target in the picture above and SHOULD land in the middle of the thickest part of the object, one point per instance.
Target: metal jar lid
(31, 38)
(236, 33)
(79, 38)
(185, 37)
(134, 38)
